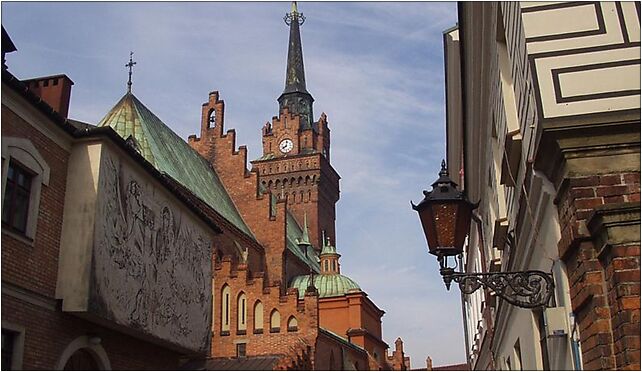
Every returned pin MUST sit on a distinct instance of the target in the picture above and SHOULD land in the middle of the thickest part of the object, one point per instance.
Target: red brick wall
(329, 356)
(265, 343)
(36, 267)
(311, 188)
(604, 278)
(242, 186)
(49, 332)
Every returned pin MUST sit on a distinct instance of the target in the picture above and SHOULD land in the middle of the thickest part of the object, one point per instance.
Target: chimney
(428, 364)
(54, 90)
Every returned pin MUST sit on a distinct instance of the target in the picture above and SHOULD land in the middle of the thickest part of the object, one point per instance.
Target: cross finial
(130, 65)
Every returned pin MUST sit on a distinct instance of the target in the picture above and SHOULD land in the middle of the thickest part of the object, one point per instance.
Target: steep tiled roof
(163, 148)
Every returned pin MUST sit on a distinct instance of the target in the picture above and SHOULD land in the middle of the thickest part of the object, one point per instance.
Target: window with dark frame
(8, 345)
(240, 350)
(15, 208)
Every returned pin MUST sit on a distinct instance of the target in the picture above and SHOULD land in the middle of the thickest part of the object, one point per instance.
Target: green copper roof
(328, 285)
(328, 248)
(170, 154)
(294, 233)
(305, 236)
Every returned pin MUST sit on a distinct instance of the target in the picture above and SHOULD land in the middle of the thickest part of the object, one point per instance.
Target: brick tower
(295, 164)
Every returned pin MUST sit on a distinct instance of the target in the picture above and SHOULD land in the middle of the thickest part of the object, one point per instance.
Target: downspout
(462, 83)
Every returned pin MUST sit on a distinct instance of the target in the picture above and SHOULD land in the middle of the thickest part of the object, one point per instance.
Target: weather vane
(294, 15)
(130, 65)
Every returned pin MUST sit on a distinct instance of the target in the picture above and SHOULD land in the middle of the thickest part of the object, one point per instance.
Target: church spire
(295, 95)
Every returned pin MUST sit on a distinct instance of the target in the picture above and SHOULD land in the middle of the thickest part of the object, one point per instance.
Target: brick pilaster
(599, 217)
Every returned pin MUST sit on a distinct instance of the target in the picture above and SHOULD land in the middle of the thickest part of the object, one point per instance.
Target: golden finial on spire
(294, 15)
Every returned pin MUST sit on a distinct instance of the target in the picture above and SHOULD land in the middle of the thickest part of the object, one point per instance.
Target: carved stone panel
(151, 264)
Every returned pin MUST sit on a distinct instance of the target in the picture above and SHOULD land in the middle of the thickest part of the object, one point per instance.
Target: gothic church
(278, 298)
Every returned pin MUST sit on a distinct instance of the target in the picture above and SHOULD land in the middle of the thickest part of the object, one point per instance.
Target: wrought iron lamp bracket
(526, 289)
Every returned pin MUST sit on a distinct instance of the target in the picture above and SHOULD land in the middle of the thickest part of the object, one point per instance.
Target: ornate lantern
(445, 215)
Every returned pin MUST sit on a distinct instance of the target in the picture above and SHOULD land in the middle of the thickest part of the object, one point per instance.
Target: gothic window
(275, 321)
(258, 317)
(241, 321)
(211, 118)
(293, 325)
(225, 310)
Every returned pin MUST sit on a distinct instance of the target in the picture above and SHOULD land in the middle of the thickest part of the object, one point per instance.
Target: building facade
(92, 267)
(543, 129)
(176, 247)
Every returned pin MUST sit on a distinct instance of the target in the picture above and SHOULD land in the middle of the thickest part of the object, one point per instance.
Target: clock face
(286, 146)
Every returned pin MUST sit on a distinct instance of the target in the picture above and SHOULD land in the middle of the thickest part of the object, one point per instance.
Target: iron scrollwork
(527, 289)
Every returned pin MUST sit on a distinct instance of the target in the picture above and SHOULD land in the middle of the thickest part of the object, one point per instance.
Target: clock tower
(295, 164)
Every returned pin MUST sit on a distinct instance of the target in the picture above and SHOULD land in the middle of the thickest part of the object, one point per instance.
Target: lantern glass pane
(445, 216)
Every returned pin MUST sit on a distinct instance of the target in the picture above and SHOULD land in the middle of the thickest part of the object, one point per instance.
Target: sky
(376, 70)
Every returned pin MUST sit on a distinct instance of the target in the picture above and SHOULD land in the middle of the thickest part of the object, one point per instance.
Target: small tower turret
(329, 259)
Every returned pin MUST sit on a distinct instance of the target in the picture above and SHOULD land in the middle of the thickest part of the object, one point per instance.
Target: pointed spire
(295, 95)
(130, 65)
(295, 74)
(305, 236)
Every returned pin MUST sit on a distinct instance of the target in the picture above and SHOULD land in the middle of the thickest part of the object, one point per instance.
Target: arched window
(275, 321)
(225, 310)
(211, 118)
(241, 314)
(293, 325)
(258, 317)
(334, 265)
(84, 353)
(326, 265)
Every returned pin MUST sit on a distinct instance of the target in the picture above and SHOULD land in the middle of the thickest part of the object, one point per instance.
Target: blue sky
(376, 70)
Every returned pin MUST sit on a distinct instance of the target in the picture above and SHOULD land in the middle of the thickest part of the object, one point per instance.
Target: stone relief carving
(151, 263)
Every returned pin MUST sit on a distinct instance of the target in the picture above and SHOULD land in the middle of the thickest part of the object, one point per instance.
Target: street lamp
(445, 215)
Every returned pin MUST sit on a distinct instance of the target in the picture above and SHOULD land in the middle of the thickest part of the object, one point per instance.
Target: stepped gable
(163, 148)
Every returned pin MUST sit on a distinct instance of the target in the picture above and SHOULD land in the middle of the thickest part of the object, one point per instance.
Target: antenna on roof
(130, 65)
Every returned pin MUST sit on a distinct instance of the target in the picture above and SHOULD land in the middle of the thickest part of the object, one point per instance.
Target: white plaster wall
(151, 269)
(79, 216)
